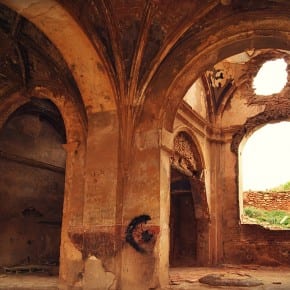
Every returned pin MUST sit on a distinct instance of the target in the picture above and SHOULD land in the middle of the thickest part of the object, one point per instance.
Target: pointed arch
(189, 212)
(62, 30)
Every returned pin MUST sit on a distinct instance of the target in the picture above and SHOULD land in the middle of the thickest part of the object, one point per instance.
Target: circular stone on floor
(230, 279)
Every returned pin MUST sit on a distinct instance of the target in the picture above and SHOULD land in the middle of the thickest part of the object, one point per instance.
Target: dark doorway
(32, 175)
(183, 223)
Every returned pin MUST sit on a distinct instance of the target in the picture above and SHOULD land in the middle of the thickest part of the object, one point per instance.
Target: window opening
(265, 177)
(271, 78)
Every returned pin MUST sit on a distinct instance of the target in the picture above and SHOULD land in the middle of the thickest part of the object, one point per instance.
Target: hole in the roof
(271, 78)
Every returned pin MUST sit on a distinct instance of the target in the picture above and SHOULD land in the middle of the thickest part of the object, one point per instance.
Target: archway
(263, 176)
(183, 222)
(167, 112)
(32, 187)
(188, 205)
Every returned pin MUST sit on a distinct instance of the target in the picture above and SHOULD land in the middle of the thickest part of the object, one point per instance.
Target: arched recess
(73, 144)
(32, 186)
(189, 213)
(85, 100)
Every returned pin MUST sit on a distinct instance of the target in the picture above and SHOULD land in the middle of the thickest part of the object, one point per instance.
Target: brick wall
(268, 200)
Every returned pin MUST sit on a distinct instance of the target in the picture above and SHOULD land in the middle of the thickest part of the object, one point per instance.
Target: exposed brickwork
(257, 245)
(268, 200)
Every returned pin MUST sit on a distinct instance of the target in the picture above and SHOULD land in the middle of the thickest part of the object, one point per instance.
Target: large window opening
(265, 177)
(31, 188)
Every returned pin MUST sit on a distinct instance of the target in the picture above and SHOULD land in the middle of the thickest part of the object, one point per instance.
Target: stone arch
(75, 129)
(205, 50)
(188, 202)
(75, 147)
(62, 30)
(176, 93)
(33, 171)
(189, 58)
(95, 88)
(195, 145)
(186, 156)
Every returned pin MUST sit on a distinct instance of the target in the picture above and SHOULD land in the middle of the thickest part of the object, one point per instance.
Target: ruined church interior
(122, 126)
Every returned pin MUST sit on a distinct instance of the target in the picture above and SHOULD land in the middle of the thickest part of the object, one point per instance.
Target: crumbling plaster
(241, 113)
(267, 109)
(118, 154)
(63, 31)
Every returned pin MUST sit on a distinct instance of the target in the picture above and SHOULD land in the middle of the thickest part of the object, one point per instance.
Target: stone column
(100, 243)
(70, 257)
(216, 202)
(95, 240)
(146, 215)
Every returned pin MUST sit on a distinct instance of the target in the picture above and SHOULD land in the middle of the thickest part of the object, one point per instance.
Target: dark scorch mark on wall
(136, 235)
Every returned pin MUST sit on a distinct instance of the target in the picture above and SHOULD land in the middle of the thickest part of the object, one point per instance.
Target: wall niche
(32, 176)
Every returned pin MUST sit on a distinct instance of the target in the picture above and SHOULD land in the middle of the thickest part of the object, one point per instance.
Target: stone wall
(32, 167)
(268, 200)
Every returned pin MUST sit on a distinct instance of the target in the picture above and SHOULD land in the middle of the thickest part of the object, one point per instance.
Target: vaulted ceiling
(145, 42)
(28, 59)
(152, 49)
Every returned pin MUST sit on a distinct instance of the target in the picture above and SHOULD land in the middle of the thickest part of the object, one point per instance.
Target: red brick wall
(268, 200)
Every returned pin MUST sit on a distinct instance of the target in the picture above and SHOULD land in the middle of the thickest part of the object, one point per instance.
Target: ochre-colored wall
(118, 78)
(245, 243)
(236, 242)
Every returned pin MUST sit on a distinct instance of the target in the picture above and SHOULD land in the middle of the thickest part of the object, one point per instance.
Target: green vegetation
(281, 187)
(274, 218)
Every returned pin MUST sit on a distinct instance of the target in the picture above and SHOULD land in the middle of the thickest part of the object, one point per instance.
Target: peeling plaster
(62, 30)
(95, 276)
(147, 140)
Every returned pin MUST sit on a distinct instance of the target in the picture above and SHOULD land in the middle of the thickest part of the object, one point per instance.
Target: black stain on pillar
(136, 235)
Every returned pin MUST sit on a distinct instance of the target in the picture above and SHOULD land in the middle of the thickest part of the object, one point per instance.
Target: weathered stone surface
(230, 280)
(268, 201)
(118, 71)
(95, 277)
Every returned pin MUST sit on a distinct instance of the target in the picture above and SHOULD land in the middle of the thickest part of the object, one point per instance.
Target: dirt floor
(28, 282)
(273, 278)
